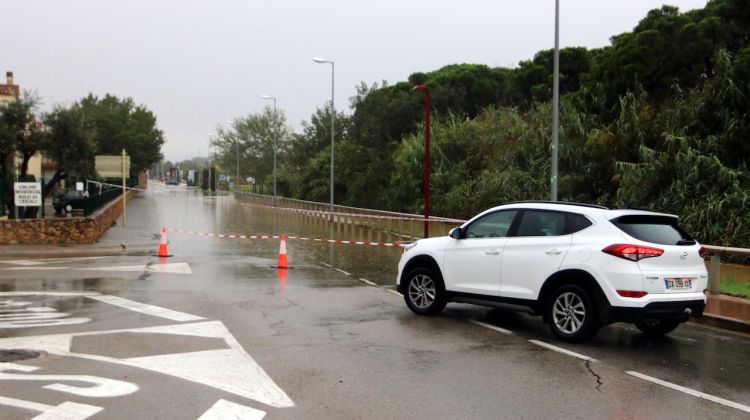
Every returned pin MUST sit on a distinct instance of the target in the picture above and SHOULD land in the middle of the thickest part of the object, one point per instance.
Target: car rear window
(661, 230)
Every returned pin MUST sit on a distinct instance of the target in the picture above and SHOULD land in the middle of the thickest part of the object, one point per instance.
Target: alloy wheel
(568, 312)
(422, 291)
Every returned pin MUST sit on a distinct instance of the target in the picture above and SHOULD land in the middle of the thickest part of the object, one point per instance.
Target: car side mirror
(455, 233)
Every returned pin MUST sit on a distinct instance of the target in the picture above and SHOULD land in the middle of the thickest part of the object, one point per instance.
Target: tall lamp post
(208, 159)
(236, 140)
(426, 90)
(556, 102)
(321, 60)
(274, 145)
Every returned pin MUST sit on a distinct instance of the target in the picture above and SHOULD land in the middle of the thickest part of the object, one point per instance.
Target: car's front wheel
(571, 314)
(424, 292)
(657, 327)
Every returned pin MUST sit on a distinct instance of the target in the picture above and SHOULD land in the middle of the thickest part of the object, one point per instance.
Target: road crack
(598, 378)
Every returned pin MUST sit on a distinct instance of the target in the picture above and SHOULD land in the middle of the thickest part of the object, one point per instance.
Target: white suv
(580, 266)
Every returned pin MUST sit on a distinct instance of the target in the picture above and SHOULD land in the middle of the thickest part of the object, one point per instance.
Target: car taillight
(631, 293)
(632, 252)
(702, 252)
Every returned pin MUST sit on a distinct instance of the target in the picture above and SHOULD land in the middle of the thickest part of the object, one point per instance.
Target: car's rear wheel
(571, 314)
(424, 292)
(657, 327)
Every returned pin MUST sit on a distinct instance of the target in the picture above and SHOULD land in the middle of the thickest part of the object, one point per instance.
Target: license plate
(678, 284)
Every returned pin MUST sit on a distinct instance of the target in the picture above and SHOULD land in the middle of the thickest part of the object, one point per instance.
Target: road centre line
(343, 272)
(394, 292)
(563, 351)
(147, 309)
(490, 326)
(689, 391)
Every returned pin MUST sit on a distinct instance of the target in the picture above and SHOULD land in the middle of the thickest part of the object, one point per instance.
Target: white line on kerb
(562, 350)
(394, 292)
(367, 282)
(343, 272)
(490, 326)
(692, 392)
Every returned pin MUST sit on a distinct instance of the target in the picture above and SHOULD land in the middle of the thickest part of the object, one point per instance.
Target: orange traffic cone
(163, 244)
(282, 262)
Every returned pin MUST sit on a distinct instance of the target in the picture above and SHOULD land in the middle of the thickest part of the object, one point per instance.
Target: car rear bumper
(678, 310)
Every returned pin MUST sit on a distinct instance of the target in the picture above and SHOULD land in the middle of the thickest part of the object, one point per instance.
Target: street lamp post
(426, 90)
(274, 145)
(333, 119)
(556, 102)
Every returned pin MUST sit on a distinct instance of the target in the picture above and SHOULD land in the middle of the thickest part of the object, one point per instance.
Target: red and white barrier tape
(298, 238)
(358, 215)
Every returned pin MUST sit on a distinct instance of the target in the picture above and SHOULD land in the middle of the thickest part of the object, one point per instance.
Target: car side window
(577, 222)
(495, 225)
(542, 223)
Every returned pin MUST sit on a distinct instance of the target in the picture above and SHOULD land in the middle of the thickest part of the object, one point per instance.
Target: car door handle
(553, 251)
(493, 252)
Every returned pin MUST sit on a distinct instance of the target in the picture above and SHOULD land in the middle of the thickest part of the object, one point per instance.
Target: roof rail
(566, 203)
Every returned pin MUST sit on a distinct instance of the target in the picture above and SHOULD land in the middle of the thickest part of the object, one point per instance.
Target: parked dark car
(69, 200)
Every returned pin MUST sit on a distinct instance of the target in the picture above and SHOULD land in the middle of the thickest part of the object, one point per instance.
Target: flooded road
(215, 332)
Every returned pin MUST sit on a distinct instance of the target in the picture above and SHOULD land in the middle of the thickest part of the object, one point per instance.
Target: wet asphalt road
(224, 331)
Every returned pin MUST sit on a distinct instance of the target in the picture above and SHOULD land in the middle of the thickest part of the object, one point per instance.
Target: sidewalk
(137, 238)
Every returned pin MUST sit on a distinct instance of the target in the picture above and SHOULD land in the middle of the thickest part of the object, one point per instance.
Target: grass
(730, 286)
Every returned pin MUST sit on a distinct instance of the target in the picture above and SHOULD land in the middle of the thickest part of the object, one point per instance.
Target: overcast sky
(197, 64)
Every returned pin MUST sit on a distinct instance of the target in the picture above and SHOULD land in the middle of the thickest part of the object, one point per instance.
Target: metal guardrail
(409, 227)
(405, 225)
(714, 270)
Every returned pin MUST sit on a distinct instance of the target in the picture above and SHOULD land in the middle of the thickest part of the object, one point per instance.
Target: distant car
(69, 200)
(171, 182)
(579, 266)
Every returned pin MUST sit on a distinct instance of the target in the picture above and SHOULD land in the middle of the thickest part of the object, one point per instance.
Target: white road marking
(34, 316)
(367, 281)
(69, 411)
(33, 268)
(147, 309)
(224, 409)
(327, 265)
(343, 272)
(563, 351)
(98, 387)
(65, 411)
(394, 292)
(26, 405)
(490, 326)
(173, 268)
(231, 370)
(47, 260)
(49, 293)
(692, 392)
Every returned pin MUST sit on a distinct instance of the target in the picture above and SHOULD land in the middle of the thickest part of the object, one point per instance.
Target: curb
(723, 322)
(93, 251)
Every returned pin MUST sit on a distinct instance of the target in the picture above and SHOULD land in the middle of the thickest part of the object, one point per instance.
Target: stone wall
(72, 230)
